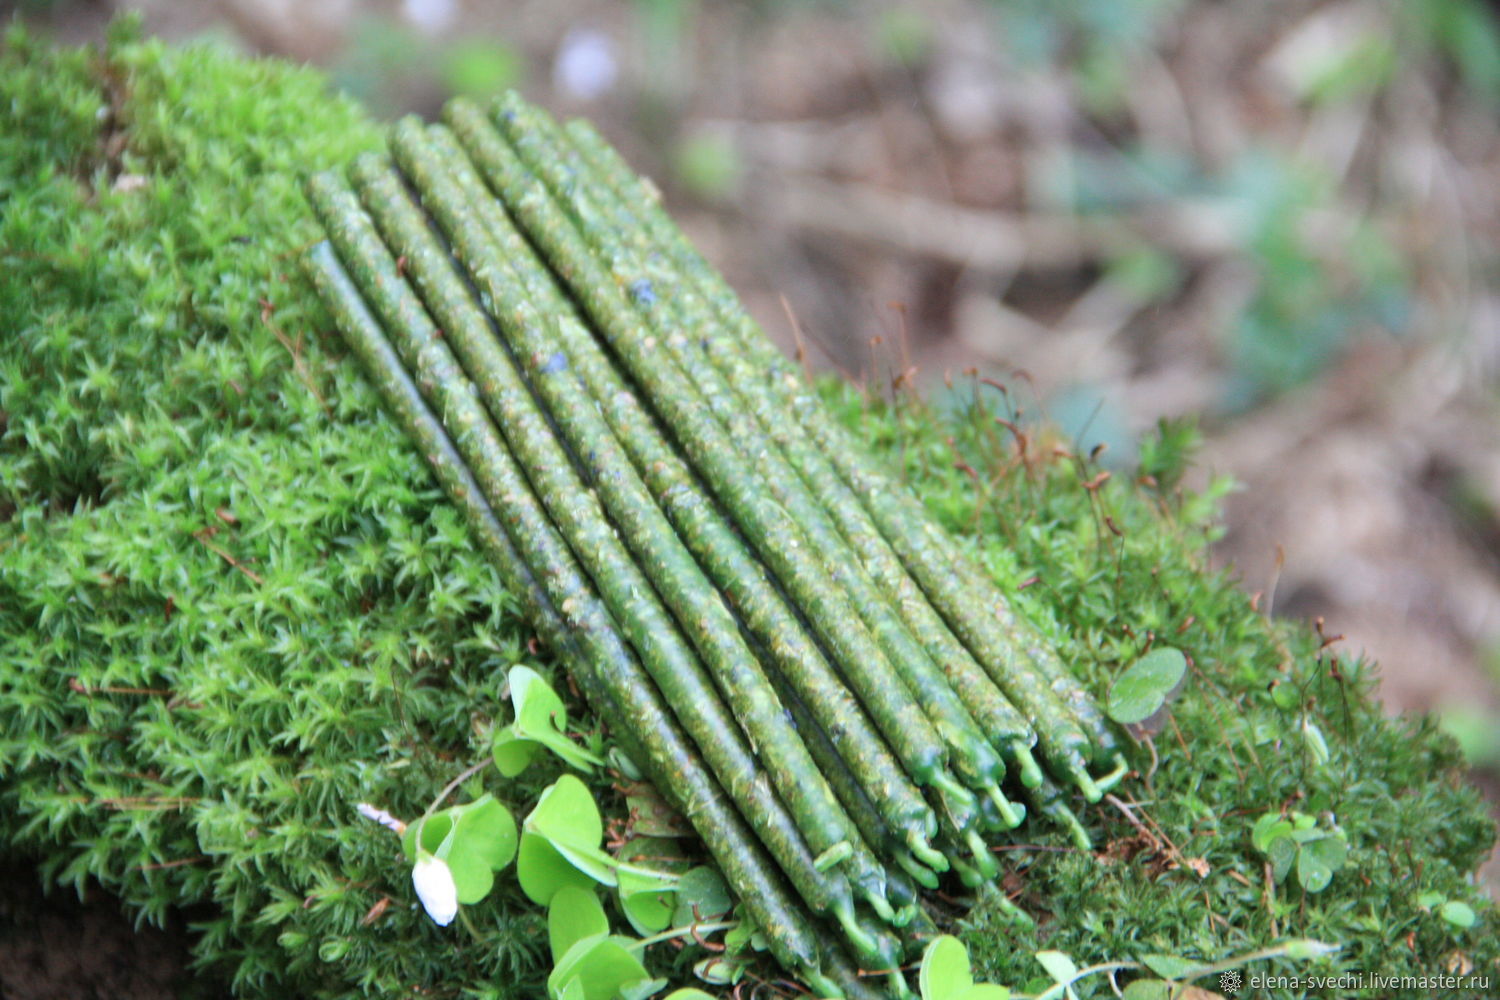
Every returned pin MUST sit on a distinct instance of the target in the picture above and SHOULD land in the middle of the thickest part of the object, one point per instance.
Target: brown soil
(58, 947)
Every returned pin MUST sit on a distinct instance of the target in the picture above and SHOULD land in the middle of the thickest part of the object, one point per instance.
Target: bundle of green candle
(843, 705)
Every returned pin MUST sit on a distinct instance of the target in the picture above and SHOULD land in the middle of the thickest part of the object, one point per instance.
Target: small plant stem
(448, 789)
(1060, 989)
(691, 930)
(665, 878)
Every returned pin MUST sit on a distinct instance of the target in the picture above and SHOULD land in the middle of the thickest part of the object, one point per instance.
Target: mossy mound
(233, 604)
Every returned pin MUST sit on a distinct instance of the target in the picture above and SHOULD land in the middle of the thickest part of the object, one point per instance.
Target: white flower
(435, 888)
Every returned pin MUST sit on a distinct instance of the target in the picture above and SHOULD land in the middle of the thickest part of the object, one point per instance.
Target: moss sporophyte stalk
(250, 577)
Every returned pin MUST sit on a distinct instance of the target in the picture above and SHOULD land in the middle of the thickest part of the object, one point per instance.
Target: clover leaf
(541, 721)
(1318, 858)
(745, 936)
(602, 965)
(1269, 828)
(1296, 841)
(720, 971)
(646, 897)
(560, 842)
(1139, 692)
(945, 969)
(573, 915)
(482, 842)
(947, 975)
(1059, 966)
(702, 896)
(1460, 915)
(472, 841)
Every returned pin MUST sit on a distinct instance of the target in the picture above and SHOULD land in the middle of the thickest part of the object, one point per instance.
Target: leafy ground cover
(233, 605)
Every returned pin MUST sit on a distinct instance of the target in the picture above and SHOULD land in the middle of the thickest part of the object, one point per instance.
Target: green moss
(172, 398)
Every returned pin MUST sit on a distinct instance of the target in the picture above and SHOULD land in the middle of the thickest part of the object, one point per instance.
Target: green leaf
(1318, 860)
(663, 855)
(602, 964)
(1458, 914)
(621, 761)
(1140, 691)
(688, 993)
(647, 899)
(562, 832)
(572, 991)
(541, 720)
(481, 842)
(1431, 900)
(590, 860)
(652, 815)
(513, 752)
(745, 935)
(640, 990)
(537, 706)
(481, 832)
(945, 969)
(701, 890)
(1170, 966)
(1283, 852)
(471, 876)
(719, 971)
(1268, 829)
(475, 840)
(1148, 989)
(573, 915)
(1317, 746)
(1059, 966)
(542, 870)
(433, 830)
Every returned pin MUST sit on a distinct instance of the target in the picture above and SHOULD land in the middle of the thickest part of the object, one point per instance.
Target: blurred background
(1280, 217)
